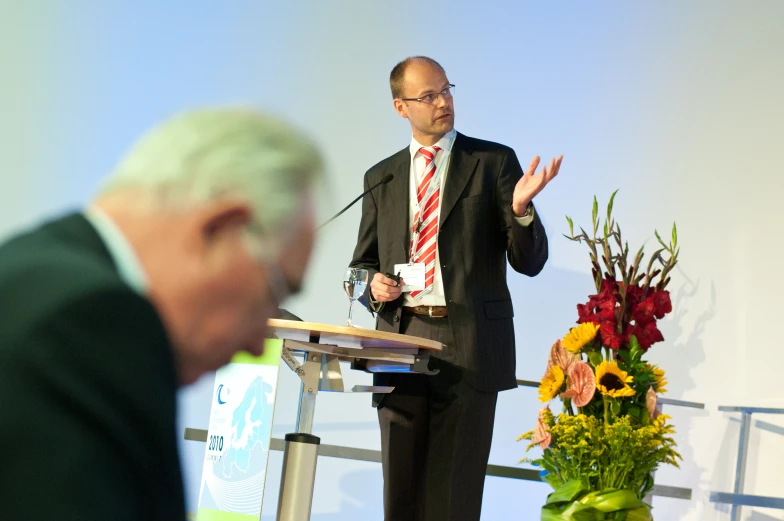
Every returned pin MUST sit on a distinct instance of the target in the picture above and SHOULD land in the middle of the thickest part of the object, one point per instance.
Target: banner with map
(238, 438)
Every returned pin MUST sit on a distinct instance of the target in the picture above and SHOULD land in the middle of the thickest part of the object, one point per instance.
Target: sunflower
(613, 382)
(661, 381)
(579, 336)
(551, 384)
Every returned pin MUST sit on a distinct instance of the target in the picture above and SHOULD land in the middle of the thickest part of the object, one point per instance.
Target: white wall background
(677, 104)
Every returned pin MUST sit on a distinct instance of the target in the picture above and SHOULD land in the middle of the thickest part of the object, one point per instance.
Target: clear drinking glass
(354, 282)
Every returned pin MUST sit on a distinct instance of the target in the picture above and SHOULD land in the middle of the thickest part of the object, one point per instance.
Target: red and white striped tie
(428, 229)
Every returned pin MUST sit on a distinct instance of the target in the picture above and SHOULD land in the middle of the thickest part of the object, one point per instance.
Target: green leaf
(647, 486)
(571, 226)
(615, 407)
(610, 205)
(638, 258)
(634, 344)
(656, 233)
(635, 411)
(623, 503)
(595, 358)
(674, 236)
(595, 211)
(568, 492)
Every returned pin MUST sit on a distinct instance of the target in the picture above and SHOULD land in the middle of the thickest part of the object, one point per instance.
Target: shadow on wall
(361, 498)
(545, 309)
(683, 334)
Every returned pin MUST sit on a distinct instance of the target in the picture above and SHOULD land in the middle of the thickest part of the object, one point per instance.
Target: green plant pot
(574, 501)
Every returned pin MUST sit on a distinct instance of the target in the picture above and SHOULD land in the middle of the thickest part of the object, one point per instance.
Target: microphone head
(387, 178)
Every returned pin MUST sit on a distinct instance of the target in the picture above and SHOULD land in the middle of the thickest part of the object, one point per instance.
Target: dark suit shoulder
(40, 274)
(66, 250)
(387, 165)
(472, 144)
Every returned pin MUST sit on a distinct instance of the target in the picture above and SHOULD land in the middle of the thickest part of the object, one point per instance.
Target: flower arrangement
(601, 451)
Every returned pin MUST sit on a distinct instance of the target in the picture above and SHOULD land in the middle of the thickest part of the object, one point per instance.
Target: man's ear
(222, 218)
(400, 108)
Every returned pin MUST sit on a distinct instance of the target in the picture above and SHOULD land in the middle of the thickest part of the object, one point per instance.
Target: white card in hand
(413, 276)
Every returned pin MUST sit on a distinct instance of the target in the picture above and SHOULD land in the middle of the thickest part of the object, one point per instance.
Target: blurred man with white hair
(193, 243)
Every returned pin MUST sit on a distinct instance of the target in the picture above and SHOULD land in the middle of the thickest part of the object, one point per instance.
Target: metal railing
(737, 498)
(501, 471)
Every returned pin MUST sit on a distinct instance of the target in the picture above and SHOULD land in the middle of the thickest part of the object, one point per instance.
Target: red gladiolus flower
(643, 312)
(634, 293)
(606, 309)
(610, 336)
(584, 312)
(601, 309)
(662, 303)
(647, 334)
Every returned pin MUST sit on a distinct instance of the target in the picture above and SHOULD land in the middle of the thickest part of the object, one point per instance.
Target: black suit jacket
(87, 386)
(477, 234)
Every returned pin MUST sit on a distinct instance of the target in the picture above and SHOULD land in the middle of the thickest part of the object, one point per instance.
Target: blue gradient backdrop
(677, 104)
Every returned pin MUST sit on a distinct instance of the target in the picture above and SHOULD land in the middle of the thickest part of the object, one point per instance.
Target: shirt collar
(443, 143)
(125, 259)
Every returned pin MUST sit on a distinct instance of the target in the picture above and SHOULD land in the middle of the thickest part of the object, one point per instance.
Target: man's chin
(445, 124)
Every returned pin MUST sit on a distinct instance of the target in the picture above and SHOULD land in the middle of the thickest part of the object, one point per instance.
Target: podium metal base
(300, 455)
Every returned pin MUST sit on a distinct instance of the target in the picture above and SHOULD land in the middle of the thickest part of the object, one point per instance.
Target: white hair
(205, 154)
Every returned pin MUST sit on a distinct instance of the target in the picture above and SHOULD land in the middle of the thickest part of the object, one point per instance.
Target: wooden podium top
(344, 336)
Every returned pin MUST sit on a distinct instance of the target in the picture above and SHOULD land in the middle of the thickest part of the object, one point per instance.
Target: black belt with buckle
(430, 311)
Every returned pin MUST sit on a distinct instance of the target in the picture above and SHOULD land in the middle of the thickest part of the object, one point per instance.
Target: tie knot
(429, 152)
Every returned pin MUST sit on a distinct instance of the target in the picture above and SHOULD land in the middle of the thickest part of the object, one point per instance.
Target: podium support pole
(300, 452)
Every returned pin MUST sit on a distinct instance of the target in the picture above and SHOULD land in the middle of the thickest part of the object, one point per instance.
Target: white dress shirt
(435, 297)
(121, 251)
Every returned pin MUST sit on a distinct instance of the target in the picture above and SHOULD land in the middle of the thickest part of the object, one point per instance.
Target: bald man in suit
(459, 207)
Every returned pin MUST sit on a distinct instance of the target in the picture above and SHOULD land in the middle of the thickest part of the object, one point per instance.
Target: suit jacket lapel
(399, 195)
(461, 167)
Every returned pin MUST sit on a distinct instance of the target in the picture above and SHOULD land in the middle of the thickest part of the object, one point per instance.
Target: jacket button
(396, 319)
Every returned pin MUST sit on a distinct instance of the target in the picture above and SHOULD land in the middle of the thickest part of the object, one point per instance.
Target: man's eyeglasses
(430, 99)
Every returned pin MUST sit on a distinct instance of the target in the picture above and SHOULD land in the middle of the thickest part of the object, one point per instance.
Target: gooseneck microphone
(384, 180)
(288, 315)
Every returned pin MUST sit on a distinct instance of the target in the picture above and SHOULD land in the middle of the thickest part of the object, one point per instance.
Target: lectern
(321, 348)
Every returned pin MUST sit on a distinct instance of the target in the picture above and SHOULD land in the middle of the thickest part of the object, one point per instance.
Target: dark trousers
(436, 433)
